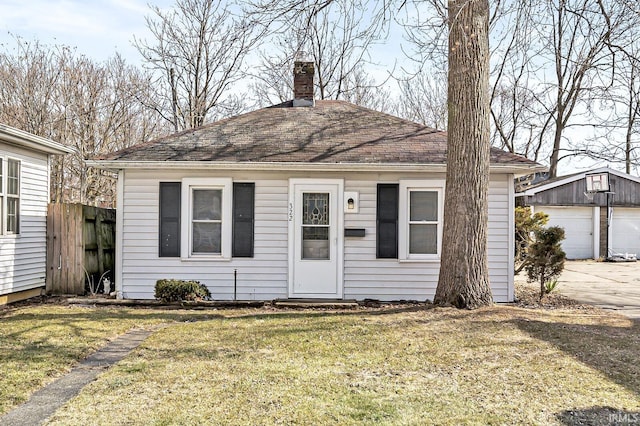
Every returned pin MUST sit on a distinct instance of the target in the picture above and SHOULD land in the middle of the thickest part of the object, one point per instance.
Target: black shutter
(387, 221)
(169, 244)
(243, 215)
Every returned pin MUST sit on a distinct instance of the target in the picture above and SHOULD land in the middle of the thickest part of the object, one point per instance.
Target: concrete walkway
(47, 400)
(609, 285)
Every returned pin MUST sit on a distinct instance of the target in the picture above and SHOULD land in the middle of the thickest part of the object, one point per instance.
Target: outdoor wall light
(351, 202)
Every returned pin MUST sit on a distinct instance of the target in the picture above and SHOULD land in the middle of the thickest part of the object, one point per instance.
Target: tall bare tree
(423, 99)
(198, 51)
(464, 276)
(337, 37)
(93, 107)
(551, 63)
(631, 76)
(619, 106)
(577, 44)
(514, 111)
(29, 75)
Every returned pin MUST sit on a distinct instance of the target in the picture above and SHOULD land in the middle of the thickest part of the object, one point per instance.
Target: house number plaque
(290, 212)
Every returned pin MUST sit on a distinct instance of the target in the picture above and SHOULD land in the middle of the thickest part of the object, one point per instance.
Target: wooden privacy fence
(80, 241)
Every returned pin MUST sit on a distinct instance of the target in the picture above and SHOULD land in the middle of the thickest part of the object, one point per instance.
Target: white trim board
(573, 178)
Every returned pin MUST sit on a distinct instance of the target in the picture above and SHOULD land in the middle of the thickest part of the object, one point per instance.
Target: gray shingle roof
(329, 132)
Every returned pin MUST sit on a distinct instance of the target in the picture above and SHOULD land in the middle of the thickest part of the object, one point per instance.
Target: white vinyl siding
(265, 276)
(390, 279)
(23, 255)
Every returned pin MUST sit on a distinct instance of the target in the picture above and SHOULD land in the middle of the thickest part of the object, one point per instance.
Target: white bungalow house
(305, 199)
(24, 196)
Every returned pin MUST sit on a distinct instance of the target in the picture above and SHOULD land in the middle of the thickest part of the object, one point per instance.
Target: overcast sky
(97, 28)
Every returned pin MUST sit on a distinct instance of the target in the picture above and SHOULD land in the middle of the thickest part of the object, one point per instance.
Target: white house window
(206, 222)
(420, 219)
(423, 222)
(13, 196)
(206, 204)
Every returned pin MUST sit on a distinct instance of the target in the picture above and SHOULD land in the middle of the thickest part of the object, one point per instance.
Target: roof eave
(24, 139)
(516, 169)
(545, 187)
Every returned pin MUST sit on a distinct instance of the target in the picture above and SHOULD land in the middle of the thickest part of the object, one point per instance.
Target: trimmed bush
(546, 257)
(180, 290)
(526, 226)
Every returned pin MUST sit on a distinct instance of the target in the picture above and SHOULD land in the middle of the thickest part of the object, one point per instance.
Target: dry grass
(499, 365)
(40, 342)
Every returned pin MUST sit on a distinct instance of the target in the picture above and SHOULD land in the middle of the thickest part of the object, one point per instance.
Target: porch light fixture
(351, 202)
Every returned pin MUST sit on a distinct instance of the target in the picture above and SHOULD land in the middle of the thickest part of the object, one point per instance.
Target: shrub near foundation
(180, 290)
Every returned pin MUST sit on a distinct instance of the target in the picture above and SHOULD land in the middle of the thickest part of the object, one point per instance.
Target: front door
(315, 240)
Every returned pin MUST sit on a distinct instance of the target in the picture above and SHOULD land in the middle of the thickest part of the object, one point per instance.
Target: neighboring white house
(305, 199)
(24, 196)
(591, 230)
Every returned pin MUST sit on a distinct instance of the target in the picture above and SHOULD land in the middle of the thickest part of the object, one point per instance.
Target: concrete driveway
(609, 285)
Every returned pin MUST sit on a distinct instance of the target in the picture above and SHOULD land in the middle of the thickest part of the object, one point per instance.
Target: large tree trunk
(464, 271)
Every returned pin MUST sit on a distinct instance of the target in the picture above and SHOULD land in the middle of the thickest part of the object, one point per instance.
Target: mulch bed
(528, 296)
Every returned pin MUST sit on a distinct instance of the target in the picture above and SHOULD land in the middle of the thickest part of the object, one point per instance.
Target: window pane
(315, 242)
(315, 209)
(206, 238)
(423, 239)
(423, 205)
(13, 176)
(315, 233)
(12, 215)
(207, 204)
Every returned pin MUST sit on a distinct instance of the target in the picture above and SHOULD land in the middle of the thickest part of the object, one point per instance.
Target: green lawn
(500, 365)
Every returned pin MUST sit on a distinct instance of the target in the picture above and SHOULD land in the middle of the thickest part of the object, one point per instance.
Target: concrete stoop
(315, 303)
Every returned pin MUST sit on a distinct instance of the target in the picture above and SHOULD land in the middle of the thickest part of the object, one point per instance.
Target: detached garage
(591, 229)
(625, 230)
(578, 224)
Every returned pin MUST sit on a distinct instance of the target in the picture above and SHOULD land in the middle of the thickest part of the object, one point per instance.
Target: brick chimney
(303, 84)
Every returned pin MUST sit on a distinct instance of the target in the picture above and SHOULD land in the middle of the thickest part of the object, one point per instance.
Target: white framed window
(420, 219)
(9, 196)
(13, 196)
(207, 208)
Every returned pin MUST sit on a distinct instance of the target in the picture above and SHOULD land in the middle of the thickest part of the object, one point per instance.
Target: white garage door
(578, 229)
(625, 230)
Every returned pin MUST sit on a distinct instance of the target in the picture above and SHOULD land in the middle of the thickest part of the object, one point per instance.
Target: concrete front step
(315, 303)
